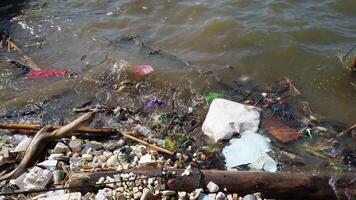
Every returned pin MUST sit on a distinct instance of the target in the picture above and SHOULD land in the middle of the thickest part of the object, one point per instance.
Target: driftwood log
(42, 137)
(278, 185)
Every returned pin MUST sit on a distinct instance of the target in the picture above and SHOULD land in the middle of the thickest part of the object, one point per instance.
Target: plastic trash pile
(226, 119)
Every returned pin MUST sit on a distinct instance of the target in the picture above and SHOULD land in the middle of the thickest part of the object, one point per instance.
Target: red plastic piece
(39, 74)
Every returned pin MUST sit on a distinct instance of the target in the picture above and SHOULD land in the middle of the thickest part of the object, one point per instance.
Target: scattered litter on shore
(244, 128)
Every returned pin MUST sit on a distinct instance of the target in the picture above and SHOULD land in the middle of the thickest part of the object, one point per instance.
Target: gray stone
(61, 148)
(249, 197)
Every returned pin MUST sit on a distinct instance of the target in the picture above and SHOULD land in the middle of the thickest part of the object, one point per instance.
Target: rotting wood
(280, 185)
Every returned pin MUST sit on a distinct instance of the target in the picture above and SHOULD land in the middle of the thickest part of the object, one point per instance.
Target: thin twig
(149, 145)
(33, 65)
(353, 47)
(347, 130)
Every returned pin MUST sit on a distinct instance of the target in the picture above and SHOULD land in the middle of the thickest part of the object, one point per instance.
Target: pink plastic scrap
(142, 70)
(39, 74)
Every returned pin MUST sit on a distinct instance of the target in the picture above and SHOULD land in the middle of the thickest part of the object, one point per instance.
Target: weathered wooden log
(278, 185)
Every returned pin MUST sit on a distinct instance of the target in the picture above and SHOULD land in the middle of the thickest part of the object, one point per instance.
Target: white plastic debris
(227, 117)
(64, 196)
(22, 146)
(250, 149)
(37, 178)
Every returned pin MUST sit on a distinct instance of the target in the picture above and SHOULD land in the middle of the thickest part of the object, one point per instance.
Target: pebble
(137, 195)
(187, 171)
(220, 196)
(212, 187)
(97, 162)
(182, 195)
(87, 157)
(122, 157)
(61, 148)
(101, 180)
(168, 192)
(145, 194)
(230, 197)
(195, 195)
(75, 145)
(55, 156)
(147, 158)
(249, 197)
(112, 161)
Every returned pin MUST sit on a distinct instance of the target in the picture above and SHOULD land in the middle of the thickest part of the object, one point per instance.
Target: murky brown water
(262, 40)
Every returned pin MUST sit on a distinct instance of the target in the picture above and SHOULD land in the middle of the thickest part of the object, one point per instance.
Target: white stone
(104, 194)
(212, 187)
(168, 192)
(187, 171)
(55, 156)
(145, 194)
(61, 148)
(195, 195)
(227, 117)
(87, 157)
(147, 158)
(182, 195)
(101, 180)
(137, 195)
(220, 196)
(112, 161)
(229, 197)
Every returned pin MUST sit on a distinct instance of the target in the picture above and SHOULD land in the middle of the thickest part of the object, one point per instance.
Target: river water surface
(261, 40)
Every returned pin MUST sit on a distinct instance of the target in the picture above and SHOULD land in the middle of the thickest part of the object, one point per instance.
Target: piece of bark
(279, 130)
